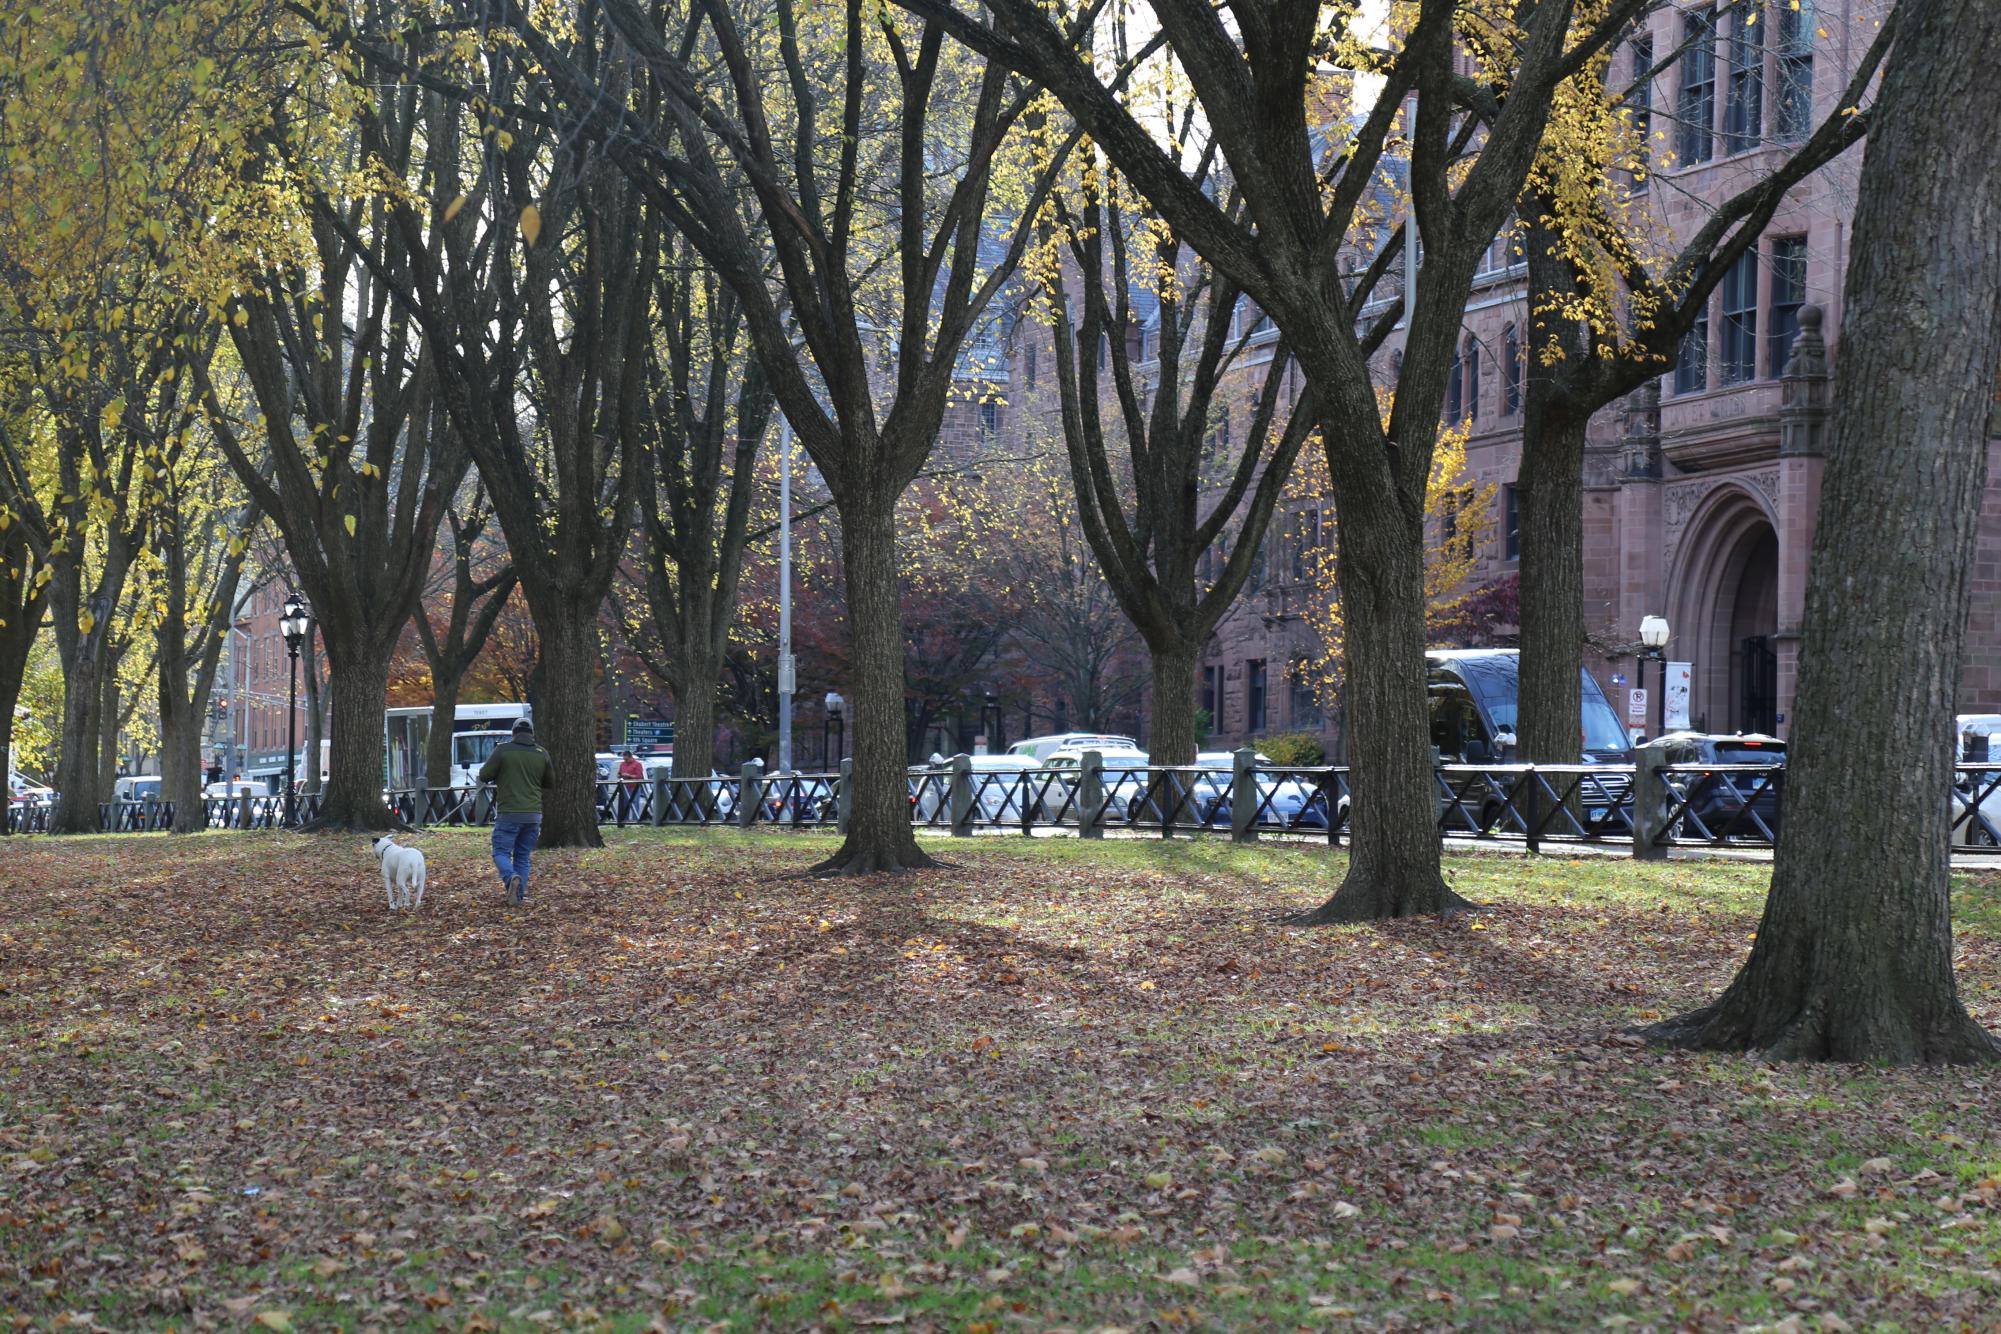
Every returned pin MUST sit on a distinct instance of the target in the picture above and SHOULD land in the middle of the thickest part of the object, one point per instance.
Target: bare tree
(1308, 180)
(452, 646)
(710, 410)
(871, 185)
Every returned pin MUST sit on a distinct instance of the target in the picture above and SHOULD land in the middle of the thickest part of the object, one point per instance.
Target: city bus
(476, 730)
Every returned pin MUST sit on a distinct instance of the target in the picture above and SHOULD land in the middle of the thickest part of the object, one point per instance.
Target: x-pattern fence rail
(1699, 805)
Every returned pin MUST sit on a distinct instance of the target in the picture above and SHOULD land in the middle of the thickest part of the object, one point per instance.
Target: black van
(1473, 693)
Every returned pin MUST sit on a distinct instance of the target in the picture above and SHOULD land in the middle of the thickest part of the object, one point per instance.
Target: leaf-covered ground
(1058, 1086)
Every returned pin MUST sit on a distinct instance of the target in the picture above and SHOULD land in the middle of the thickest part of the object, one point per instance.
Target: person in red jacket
(631, 773)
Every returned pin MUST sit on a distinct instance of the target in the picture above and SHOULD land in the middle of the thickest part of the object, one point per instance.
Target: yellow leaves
(452, 209)
(278, 1320)
(531, 224)
(348, 522)
(86, 622)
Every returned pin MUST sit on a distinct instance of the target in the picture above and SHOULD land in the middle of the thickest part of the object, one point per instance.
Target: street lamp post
(835, 721)
(293, 624)
(990, 722)
(1653, 644)
(786, 677)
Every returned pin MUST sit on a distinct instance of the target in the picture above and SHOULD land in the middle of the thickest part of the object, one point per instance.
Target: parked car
(1042, 747)
(1125, 777)
(1282, 799)
(239, 788)
(999, 791)
(814, 798)
(1719, 801)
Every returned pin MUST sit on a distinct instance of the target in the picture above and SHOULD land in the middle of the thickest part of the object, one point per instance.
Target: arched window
(1454, 400)
(1472, 360)
(1511, 371)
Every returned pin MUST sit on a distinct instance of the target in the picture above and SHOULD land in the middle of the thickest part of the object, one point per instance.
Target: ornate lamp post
(834, 723)
(1653, 644)
(293, 624)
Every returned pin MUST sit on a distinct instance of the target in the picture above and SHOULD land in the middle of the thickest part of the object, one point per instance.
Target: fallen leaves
(1076, 1087)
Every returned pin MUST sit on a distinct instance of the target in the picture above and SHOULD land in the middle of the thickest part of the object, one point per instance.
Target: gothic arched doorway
(1726, 600)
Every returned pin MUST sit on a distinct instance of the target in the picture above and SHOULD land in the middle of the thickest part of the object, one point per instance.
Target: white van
(1042, 747)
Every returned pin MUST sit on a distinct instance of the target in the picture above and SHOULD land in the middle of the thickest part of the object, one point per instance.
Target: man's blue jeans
(514, 837)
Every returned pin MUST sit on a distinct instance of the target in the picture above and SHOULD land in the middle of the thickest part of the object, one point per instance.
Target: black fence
(1708, 806)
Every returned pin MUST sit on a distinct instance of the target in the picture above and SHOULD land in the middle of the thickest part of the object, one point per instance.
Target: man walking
(520, 772)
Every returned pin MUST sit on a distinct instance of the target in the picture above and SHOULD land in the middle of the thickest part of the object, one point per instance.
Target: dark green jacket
(520, 772)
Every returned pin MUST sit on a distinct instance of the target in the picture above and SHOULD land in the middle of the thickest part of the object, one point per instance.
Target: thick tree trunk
(1174, 740)
(1393, 868)
(1550, 493)
(880, 837)
(444, 717)
(353, 800)
(107, 729)
(76, 762)
(1853, 961)
(180, 764)
(695, 717)
(566, 722)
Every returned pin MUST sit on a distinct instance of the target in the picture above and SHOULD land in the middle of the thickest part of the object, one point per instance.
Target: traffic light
(222, 708)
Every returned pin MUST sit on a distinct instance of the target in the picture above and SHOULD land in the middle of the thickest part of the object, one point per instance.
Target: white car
(1042, 747)
(240, 788)
(1125, 780)
(999, 791)
(21, 790)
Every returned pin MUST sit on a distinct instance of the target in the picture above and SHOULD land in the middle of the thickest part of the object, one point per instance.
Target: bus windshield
(470, 749)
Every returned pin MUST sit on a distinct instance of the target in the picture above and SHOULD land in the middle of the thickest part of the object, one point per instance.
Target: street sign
(1636, 703)
(648, 732)
(1618, 678)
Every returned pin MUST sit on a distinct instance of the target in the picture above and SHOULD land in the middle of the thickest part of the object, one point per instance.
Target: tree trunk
(180, 764)
(76, 763)
(695, 716)
(444, 717)
(107, 728)
(1174, 740)
(1550, 493)
(1853, 961)
(566, 721)
(10, 695)
(353, 800)
(880, 837)
(1393, 868)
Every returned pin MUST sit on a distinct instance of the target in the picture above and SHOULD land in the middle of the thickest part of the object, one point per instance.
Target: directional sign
(648, 732)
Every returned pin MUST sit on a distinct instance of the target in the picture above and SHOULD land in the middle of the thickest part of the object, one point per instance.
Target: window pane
(1788, 295)
(1743, 112)
(1792, 100)
(1740, 320)
(1691, 372)
(1697, 109)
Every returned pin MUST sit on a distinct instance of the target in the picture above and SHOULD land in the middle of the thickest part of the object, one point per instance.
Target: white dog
(402, 873)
